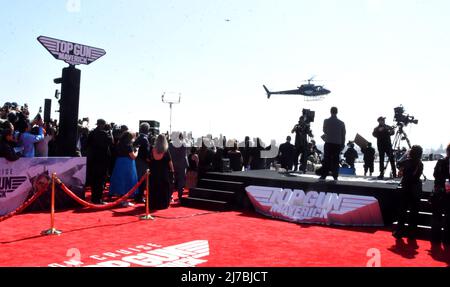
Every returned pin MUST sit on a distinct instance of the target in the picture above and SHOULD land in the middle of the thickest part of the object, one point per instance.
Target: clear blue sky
(373, 54)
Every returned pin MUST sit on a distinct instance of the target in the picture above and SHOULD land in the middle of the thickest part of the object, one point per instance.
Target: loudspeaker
(68, 112)
(47, 110)
(154, 126)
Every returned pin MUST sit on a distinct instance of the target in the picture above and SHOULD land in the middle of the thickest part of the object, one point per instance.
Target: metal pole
(52, 230)
(170, 128)
(147, 215)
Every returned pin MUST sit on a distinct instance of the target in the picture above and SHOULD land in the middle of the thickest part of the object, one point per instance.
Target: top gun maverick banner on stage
(20, 179)
(315, 207)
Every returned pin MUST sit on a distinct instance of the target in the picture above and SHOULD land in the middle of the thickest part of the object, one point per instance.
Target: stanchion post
(147, 215)
(52, 230)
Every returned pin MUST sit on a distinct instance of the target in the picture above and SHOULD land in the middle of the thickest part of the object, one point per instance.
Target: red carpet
(213, 239)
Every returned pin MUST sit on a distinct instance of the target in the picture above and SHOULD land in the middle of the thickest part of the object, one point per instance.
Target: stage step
(216, 184)
(206, 204)
(424, 205)
(213, 194)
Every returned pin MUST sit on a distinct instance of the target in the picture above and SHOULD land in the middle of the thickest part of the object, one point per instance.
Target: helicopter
(307, 90)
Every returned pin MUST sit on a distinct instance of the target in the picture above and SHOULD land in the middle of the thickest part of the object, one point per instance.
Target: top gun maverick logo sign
(315, 207)
(9, 184)
(71, 53)
(20, 179)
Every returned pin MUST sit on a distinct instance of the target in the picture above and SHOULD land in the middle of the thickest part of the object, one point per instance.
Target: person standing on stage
(235, 157)
(142, 158)
(383, 134)
(334, 137)
(256, 160)
(441, 200)
(245, 151)
(369, 158)
(99, 144)
(302, 130)
(351, 155)
(286, 154)
(411, 189)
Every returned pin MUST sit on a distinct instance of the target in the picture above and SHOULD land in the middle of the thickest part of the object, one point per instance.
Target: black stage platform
(227, 190)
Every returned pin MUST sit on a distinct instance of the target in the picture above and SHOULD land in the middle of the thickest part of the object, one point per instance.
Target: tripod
(400, 136)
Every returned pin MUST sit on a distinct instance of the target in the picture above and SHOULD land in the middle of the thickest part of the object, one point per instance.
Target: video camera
(308, 115)
(401, 118)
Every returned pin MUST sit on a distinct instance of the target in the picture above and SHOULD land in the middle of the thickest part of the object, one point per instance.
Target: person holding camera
(383, 134)
(440, 200)
(411, 170)
(369, 158)
(27, 139)
(302, 130)
(7, 145)
(351, 155)
(334, 137)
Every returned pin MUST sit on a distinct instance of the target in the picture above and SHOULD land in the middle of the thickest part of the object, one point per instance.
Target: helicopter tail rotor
(267, 91)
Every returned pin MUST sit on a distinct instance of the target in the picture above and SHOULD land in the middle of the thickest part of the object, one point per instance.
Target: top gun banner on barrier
(20, 179)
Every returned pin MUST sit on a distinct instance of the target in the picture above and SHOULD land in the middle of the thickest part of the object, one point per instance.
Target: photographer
(383, 134)
(440, 200)
(369, 158)
(411, 188)
(7, 145)
(302, 130)
(351, 155)
(27, 139)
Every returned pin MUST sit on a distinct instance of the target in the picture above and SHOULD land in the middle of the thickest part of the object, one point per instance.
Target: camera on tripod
(403, 119)
(308, 115)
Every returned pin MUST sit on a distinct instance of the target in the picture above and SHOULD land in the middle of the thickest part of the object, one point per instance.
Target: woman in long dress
(124, 175)
(161, 174)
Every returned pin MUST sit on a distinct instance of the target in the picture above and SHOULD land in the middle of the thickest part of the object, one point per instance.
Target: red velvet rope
(97, 206)
(23, 206)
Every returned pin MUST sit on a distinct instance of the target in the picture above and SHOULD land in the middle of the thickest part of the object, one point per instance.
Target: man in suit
(334, 137)
(286, 154)
(99, 144)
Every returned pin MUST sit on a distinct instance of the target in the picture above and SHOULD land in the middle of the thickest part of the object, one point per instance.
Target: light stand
(171, 103)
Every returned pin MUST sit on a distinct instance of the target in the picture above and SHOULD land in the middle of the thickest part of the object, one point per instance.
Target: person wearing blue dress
(124, 175)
